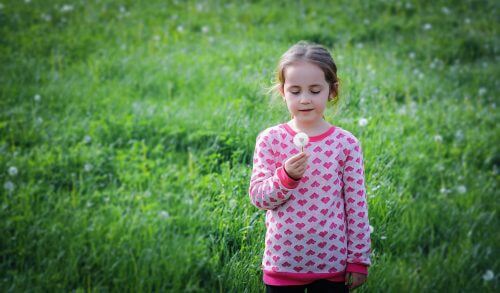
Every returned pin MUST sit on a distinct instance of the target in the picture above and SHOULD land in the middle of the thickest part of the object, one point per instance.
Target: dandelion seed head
(488, 275)
(180, 28)
(427, 26)
(371, 229)
(438, 138)
(67, 8)
(163, 214)
(88, 167)
(9, 185)
(363, 122)
(411, 55)
(461, 189)
(383, 237)
(12, 171)
(37, 98)
(205, 29)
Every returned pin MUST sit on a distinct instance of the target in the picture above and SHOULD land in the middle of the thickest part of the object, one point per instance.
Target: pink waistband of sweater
(287, 279)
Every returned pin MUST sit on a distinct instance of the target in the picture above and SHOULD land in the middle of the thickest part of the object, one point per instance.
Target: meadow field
(127, 130)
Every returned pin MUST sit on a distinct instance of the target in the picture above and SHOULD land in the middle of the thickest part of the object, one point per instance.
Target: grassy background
(131, 125)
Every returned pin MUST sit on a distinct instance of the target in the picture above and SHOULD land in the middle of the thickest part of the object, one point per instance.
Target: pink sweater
(317, 226)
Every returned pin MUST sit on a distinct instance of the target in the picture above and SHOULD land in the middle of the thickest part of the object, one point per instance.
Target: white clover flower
(383, 237)
(488, 275)
(461, 189)
(88, 167)
(359, 45)
(411, 55)
(106, 199)
(371, 229)
(438, 138)
(467, 20)
(37, 98)
(9, 185)
(427, 26)
(67, 8)
(163, 214)
(300, 140)
(13, 171)
(89, 204)
(87, 139)
(205, 29)
(482, 91)
(180, 28)
(445, 10)
(122, 9)
(444, 190)
(363, 122)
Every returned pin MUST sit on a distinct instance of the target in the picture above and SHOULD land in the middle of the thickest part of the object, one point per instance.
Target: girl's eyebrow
(294, 85)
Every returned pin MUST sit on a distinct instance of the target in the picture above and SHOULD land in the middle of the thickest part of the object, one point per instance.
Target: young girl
(318, 234)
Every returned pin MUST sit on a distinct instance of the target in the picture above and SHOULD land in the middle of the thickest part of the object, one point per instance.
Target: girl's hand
(354, 280)
(296, 165)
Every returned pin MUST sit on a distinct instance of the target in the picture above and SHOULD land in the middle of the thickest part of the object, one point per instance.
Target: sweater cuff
(286, 180)
(357, 268)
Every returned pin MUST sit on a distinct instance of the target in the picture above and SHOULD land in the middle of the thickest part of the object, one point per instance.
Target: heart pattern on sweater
(331, 195)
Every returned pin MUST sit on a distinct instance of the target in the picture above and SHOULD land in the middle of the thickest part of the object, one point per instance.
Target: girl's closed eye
(313, 92)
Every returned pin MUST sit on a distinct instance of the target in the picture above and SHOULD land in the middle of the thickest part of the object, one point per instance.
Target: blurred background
(127, 130)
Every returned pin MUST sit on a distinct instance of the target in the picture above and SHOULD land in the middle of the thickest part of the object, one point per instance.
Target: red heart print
(313, 207)
(299, 247)
(310, 252)
(322, 255)
(286, 264)
(289, 221)
(322, 244)
(322, 223)
(311, 241)
(316, 172)
(312, 219)
(299, 236)
(302, 202)
(359, 246)
(277, 247)
(288, 232)
(301, 214)
(316, 161)
(276, 258)
(321, 266)
(323, 233)
(310, 263)
(326, 188)
(298, 258)
(327, 176)
(298, 269)
(328, 153)
(311, 231)
(287, 253)
(325, 199)
(314, 195)
(300, 225)
(324, 211)
(328, 164)
(303, 190)
(290, 209)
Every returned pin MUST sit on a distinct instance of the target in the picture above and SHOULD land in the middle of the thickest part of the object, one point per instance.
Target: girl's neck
(311, 129)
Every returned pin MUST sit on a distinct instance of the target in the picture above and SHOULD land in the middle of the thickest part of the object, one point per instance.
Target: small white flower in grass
(156, 38)
(27, 1)
(147, 193)
(89, 204)
(88, 167)
(87, 139)
(13, 171)
(1, 6)
(180, 28)
(438, 138)
(46, 17)
(9, 185)
(482, 91)
(37, 98)
(408, 5)
(363, 122)
(459, 135)
(106, 199)
(444, 190)
(371, 229)
(411, 55)
(199, 7)
(467, 20)
(122, 9)
(205, 29)
(427, 26)
(445, 10)
(67, 8)
(300, 140)
(232, 203)
(383, 237)
(163, 214)
(461, 189)
(488, 275)
(440, 167)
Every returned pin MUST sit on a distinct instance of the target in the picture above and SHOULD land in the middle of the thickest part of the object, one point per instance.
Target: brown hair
(310, 52)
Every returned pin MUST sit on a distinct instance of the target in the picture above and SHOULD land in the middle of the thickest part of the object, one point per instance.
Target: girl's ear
(281, 90)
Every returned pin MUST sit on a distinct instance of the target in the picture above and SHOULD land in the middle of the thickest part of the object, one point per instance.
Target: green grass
(134, 164)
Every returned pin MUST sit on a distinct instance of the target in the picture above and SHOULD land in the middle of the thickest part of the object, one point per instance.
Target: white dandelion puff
(488, 275)
(444, 190)
(300, 140)
(46, 17)
(411, 55)
(88, 167)
(467, 20)
(122, 9)
(383, 237)
(459, 135)
(363, 122)
(89, 204)
(12, 171)
(438, 138)
(156, 38)
(427, 26)
(205, 29)
(445, 10)
(67, 8)
(180, 28)
(371, 229)
(9, 185)
(461, 189)
(87, 139)
(482, 91)
(164, 214)
(37, 98)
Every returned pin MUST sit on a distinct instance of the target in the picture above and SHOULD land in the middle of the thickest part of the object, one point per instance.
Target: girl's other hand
(296, 166)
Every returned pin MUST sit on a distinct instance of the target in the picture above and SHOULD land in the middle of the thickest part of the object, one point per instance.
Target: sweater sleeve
(358, 226)
(269, 186)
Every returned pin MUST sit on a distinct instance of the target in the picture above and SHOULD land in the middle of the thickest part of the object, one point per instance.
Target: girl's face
(305, 91)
